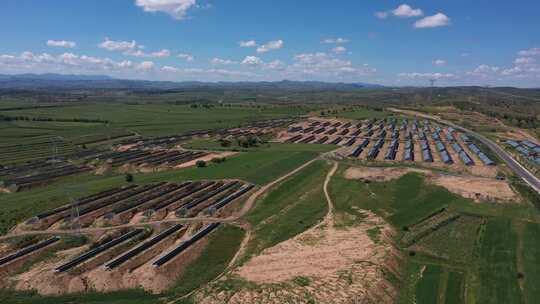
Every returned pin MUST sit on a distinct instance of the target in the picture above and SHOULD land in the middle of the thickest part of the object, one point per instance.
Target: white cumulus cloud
(436, 20)
(427, 76)
(271, 45)
(112, 45)
(61, 43)
(381, 15)
(530, 52)
(186, 57)
(139, 53)
(218, 61)
(406, 10)
(247, 43)
(339, 49)
(175, 8)
(524, 60)
(252, 61)
(169, 69)
(338, 40)
(145, 66)
(439, 62)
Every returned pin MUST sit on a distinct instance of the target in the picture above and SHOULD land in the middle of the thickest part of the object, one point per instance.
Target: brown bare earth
(379, 174)
(315, 253)
(476, 188)
(322, 265)
(205, 158)
(338, 266)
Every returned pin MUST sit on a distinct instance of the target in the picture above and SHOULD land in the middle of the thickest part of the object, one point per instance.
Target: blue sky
(457, 42)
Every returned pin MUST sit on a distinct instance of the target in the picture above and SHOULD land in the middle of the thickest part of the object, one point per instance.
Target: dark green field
(291, 208)
(488, 255)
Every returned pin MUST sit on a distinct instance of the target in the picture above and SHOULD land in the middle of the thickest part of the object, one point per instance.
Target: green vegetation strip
(427, 288)
(292, 207)
(258, 168)
(497, 271)
(223, 245)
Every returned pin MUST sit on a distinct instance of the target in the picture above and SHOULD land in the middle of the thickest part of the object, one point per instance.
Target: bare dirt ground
(335, 266)
(379, 174)
(324, 264)
(319, 252)
(205, 158)
(476, 188)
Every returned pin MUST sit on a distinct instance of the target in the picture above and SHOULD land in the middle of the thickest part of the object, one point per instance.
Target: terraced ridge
(185, 245)
(142, 247)
(92, 253)
(427, 226)
(28, 250)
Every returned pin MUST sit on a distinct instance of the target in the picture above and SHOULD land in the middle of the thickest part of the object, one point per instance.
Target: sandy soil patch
(45, 281)
(205, 158)
(339, 265)
(378, 174)
(473, 187)
(476, 188)
(316, 253)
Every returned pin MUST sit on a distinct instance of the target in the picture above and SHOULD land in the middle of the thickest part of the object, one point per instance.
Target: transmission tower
(74, 217)
(54, 148)
(431, 86)
(486, 91)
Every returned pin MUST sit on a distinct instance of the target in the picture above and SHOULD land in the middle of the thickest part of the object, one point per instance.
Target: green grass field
(222, 246)
(454, 288)
(214, 145)
(292, 207)
(498, 264)
(364, 114)
(427, 288)
(403, 201)
(160, 118)
(530, 260)
(20, 206)
(467, 261)
(453, 241)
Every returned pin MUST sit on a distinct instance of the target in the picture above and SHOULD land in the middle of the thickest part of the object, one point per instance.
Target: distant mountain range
(73, 82)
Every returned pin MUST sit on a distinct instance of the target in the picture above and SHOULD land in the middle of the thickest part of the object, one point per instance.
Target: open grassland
(120, 297)
(17, 207)
(489, 254)
(454, 288)
(364, 113)
(223, 245)
(161, 118)
(497, 272)
(454, 241)
(289, 209)
(427, 288)
(529, 258)
(215, 145)
(404, 201)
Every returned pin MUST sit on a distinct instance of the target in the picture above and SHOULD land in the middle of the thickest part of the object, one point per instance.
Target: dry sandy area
(205, 158)
(378, 174)
(316, 253)
(476, 188)
(342, 265)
